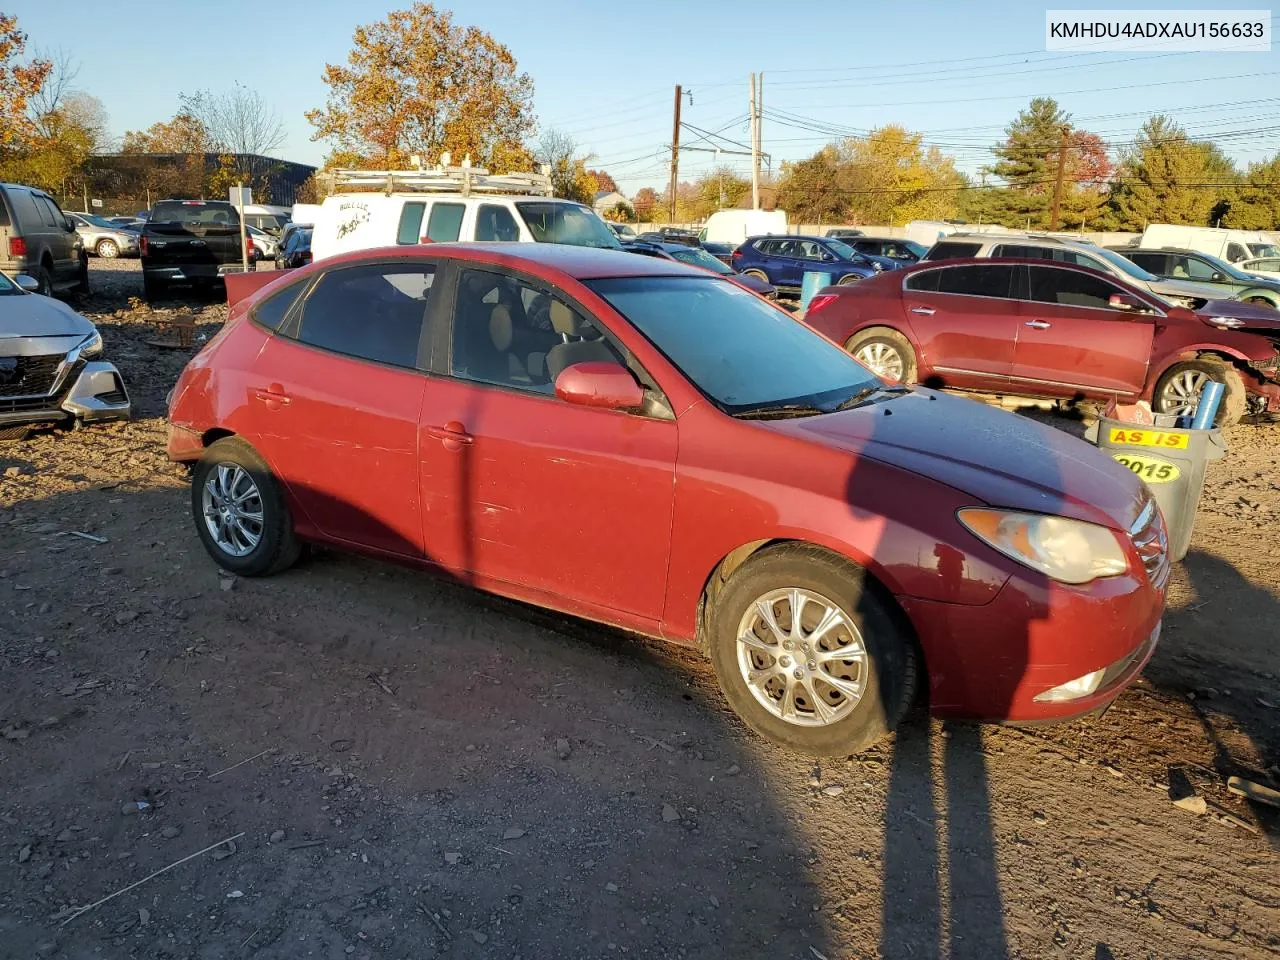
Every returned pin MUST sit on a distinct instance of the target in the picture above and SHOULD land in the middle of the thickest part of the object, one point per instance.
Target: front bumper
(92, 391)
(990, 662)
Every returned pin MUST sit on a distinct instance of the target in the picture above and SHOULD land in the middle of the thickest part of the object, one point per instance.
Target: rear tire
(231, 484)
(848, 280)
(1184, 382)
(1261, 302)
(45, 280)
(107, 249)
(758, 274)
(888, 350)
(82, 276)
(788, 694)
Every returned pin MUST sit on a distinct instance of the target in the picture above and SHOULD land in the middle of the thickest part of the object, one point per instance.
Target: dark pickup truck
(194, 242)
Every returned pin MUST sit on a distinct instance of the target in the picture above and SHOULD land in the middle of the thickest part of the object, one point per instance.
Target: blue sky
(605, 72)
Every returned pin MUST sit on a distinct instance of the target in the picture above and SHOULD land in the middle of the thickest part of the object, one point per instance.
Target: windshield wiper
(779, 410)
(865, 395)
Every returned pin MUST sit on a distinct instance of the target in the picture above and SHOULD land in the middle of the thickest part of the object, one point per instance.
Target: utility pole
(755, 148)
(1062, 172)
(675, 157)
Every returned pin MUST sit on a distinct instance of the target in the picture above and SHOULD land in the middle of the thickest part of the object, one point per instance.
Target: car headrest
(500, 329)
(563, 320)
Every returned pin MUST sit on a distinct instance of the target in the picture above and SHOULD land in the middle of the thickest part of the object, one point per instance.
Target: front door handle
(274, 396)
(1039, 324)
(453, 435)
(924, 311)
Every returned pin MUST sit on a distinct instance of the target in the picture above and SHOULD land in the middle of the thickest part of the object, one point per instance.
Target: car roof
(579, 263)
(788, 236)
(1040, 238)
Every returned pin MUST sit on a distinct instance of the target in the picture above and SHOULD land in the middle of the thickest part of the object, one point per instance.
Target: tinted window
(1069, 288)
(1155, 262)
(977, 280)
(1236, 251)
(495, 223)
(770, 248)
(509, 333)
(196, 211)
(374, 312)
(925, 281)
(952, 250)
(271, 312)
(47, 212)
(736, 348)
(445, 223)
(410, 223)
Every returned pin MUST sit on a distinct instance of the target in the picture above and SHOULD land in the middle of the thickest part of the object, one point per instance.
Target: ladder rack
(464, 180)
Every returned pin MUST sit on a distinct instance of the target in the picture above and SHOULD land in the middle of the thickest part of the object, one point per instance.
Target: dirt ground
(411, 770)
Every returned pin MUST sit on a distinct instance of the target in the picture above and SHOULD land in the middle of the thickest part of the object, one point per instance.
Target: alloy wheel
(1181, 393)
(108, 250)
(232, 507)
(802, 657)
(882, 359)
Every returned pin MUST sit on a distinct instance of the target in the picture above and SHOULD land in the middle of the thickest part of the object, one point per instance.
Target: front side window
(495, 222)
(371, 312)
(1071, 288)
(1192, 268)
(445, 223)
(509, 333)
(410, 223)
(742, 353)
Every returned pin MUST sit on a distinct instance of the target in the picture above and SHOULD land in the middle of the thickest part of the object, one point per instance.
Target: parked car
(295, 251)
(670, 235)
(697, 257)
(127, 223)
(618, 438)
(39, 240)
(1233, 246)
(1174, 264)
(721, 251)
(623, 231)
(51, 371)
(842, 233)
(266, 218)
(902, 252)
(783, 261)
(1052, 330)
(1264, 267)
(430, 205)
(193, 242)
(103, 238)
(1183, 293)
(264, 244)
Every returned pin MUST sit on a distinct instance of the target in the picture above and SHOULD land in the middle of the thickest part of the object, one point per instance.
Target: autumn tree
(604, 181)
(415, 83)
(645, 203)
(570, 178)
(1166, 177)
(808, 189)
(19, 82)
(1256, 204)
(182, 173)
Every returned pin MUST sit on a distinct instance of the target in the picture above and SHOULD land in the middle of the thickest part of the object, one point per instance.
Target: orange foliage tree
(18, 83)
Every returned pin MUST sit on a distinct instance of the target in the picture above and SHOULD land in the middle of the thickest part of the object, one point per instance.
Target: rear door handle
(1039, 324)
(274, 396)
(453, 435)
(924, 311)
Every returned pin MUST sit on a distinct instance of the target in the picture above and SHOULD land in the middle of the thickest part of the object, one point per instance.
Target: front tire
(848, 280)
(1179, 388)
(886, 353)
(240, 512)
(828, 682)
(107, 249)
(758, 274)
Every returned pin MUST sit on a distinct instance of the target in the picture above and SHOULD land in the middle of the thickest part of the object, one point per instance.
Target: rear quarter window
(272, 311)
(953, 250)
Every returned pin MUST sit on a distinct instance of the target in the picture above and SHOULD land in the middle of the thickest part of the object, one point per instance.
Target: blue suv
(784, 260)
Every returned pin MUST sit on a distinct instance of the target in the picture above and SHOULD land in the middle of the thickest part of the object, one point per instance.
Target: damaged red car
(640, 443)
(1053, 331)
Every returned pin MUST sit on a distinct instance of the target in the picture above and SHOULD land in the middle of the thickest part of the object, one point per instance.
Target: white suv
(450, 204)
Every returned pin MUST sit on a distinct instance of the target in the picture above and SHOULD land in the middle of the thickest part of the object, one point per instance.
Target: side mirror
(1125, 301)
(599, 383)
(1217, 277)
(827, 258)
(70, 225)
(29, 284)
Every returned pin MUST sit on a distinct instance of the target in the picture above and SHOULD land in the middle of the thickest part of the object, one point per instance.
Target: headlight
(91, 346)
(1230, 323)
(1070, 551)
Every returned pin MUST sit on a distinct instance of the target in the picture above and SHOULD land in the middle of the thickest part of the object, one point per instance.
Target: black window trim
(442, 365)
(952, 265)
(1116, 287)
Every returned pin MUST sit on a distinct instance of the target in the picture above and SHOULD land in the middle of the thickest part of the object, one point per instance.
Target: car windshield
(196, 211)
(1123, 263)
(103, 222)
(742, 353)
(919, 249)
(700, 258)
(569, 223)
(1264, 250)
(843, 250)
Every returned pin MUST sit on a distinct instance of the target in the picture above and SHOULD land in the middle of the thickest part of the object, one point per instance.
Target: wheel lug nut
(784, 661)
(799, 674)
(813, 665)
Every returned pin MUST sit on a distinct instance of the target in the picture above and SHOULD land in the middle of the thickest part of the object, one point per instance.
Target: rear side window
(271, 312)
(46, 212)
(445, 223)
(1155, 262)
(926, 281)
(978, 280)
(1069, 288)
(371, 312)
(952, 250)
(410, 223)
(4, 209)
(495, 222)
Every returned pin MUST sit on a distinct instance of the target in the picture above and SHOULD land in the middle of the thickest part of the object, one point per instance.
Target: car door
(1156, 263)
(337, 396)
(525, 493)
(1071, 341)
(64, 242)
(965, 323)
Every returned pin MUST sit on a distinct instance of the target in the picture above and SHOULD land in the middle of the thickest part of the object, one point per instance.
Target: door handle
(1039, 324)
(924, 311)
(274, 396)
(453, 435)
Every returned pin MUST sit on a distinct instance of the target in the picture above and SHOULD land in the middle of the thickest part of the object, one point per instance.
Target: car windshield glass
(567, 223)
(1264, 250)
(99, 221)
(744, 354)
(196, 211)
(700, 258)
(842, 250)
(1125, 264)
(919, 249)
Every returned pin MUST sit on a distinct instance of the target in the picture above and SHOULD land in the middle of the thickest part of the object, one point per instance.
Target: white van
(1234, 246)
(734, 226)
(304, 214)
(266, 217)
(449, 204)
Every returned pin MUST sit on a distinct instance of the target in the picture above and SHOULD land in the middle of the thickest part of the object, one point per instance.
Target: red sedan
(1052, 330)
(637, 442)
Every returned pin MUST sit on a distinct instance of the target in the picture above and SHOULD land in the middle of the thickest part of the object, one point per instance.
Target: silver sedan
(51, 366)
(103, 238)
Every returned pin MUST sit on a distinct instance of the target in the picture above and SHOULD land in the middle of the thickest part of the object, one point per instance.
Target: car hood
(1241, 316)
(1185, 288)
(997, 457)
(31, 315)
